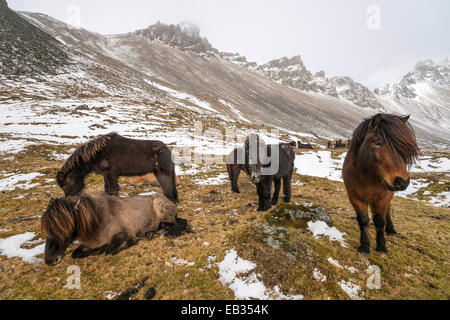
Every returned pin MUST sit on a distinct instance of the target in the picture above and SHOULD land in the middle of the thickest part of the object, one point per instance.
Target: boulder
(298, 216)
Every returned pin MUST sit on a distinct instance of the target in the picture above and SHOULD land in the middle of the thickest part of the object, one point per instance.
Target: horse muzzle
(399, 184)
(255, 178)
(53, 262)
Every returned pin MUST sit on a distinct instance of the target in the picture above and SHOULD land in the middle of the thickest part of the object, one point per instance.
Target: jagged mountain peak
(425, 72)
(285, 62)
(183, 36)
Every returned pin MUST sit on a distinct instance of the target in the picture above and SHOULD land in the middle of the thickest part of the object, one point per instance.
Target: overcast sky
(373, 41)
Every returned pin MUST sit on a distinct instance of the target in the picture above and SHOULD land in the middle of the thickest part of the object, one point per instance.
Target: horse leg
(379, 211)
(287, 188)
(119, 242)
(266, 185)
(362, 215)
(380, 222)
(260, 198)
(277, 184)
(168, 185)
(111, 184)
(83, 252)
(389, 225)
(233, 174)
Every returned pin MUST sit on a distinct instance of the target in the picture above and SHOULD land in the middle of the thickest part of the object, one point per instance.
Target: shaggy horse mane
(398, 134)
(84, 154)
(260, 143)
(69, 217)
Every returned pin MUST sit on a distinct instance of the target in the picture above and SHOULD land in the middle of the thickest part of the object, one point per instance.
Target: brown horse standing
(376, 166)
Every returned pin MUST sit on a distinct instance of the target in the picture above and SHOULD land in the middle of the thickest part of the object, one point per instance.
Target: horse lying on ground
(256, 162)
(375, 167)
(103, 224)
(112, 156)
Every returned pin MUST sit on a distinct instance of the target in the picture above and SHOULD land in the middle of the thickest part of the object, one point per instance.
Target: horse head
(63, 221)
(72, 182)
(386, 150)
(254, 149)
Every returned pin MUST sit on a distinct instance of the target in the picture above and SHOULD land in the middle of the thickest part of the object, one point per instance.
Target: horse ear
(405, 118)
(376, 121)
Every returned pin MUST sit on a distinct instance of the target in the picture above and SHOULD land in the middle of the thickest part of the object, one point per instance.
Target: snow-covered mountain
(172, 67)
(138, 66)
(425, 94)
(293, 73)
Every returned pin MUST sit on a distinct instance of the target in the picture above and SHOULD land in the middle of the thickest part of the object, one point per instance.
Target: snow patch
(233, 272)
(351, 289)
(213, 181)
(320, 228)
(12, 248)
(319, 276)
(20, 180)
(320, 164)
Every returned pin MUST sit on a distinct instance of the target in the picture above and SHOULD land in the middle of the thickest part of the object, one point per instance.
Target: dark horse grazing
(103, 224)
(113, 156)
(376, 166)
(260, 159)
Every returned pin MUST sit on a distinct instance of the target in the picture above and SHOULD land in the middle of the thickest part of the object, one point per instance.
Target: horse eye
(378, 143)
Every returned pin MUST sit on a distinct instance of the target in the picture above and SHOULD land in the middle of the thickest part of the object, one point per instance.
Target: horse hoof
(382, 250)
(391, 233)
(364, 250)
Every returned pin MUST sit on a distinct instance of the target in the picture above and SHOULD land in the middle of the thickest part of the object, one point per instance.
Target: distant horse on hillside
(375, 167)
(256, 161)
(103, 224)
(301, 145)
(112, 156)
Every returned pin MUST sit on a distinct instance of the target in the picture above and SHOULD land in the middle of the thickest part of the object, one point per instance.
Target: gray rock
(287, 214)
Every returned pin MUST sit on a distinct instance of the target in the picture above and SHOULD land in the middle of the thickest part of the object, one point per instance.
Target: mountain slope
(214, 80)
(179, 68)
(25, 49)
